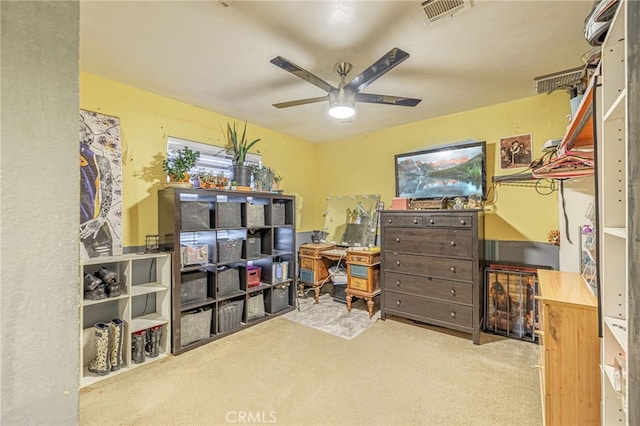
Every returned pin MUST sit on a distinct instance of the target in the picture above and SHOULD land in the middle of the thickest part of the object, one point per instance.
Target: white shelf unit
(145, 302)
(613, 184)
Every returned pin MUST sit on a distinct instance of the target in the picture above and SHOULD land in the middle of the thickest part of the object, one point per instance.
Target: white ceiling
(216, 56)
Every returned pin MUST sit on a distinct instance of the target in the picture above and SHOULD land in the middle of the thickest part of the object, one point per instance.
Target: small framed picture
(515, 151)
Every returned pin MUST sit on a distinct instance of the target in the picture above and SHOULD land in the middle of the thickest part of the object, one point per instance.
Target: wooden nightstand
(363, 276)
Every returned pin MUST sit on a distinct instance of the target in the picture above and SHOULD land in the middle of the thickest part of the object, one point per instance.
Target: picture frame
(515, 151)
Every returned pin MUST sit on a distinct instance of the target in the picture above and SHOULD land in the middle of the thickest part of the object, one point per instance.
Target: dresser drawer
(433, 310)
(452, 291)
(412, 221)
(437, 241)
(363, 257)
(440, 267)
(457, 221)
(313, 250)
(306, 263)
(358, 271)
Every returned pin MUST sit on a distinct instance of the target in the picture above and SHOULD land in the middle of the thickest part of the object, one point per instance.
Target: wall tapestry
(100, 185)
(515, 151)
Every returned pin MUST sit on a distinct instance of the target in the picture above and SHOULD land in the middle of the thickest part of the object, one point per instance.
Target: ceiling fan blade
(301, 102)
(387, 100)
(383, 65)
(294, 69)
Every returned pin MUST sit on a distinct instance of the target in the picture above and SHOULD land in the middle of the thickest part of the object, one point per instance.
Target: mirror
(351, 220)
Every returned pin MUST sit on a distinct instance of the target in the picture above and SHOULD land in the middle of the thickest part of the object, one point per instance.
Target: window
(212, 158)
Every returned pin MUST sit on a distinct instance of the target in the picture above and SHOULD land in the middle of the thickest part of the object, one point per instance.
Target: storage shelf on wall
(575, 152)
(212, 293)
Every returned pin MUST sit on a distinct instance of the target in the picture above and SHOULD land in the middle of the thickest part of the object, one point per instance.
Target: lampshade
(342, 104)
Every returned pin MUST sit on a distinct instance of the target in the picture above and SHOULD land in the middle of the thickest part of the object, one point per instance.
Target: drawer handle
(397, 240)
(389, 220)
(415, 221)
(397, 262)
(453, 292)
(398, 283)
(538, 366)
(453, 269)
(453, 243)
(453, 314)
(431, 221)
(463, 222)
(398, 303)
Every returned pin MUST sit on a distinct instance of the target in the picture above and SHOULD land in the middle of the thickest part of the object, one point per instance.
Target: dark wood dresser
(432, 267)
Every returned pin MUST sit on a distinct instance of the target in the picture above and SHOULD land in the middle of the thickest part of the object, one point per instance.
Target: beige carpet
(281, 372)
(333, 317)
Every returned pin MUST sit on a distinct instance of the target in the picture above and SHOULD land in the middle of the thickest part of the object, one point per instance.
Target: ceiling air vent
(438, 9)
(559, 80)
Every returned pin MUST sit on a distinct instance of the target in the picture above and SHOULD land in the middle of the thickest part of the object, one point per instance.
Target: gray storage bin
(339, 293)
(229, 215)
(255, 307)
(255, 215)
(193, 287)
(279, 299)
(195, 325)
(277, 214)
(194, 215)
(230, 315)
(229, 250)
(228, 281)
(253, 246)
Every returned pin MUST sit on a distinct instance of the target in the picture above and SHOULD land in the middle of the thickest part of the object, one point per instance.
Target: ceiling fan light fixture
(342, 111)
(342, 104)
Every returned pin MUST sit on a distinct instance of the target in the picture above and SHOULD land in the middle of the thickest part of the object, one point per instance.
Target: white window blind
(212, 158)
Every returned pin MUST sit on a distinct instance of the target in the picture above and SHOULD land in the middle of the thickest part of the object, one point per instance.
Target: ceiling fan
(342, 99)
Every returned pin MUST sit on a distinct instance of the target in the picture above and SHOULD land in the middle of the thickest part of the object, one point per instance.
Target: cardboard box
(399, 204)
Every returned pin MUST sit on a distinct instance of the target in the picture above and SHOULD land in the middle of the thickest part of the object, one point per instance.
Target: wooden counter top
(565, 288)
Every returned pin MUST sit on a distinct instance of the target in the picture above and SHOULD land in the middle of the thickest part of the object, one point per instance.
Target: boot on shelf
(111, 280)
(102, 363)
(137, 346)
(116, 329)
(94, 288)
(153, 341)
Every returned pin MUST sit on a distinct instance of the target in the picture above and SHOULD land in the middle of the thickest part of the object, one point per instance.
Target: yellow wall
(147, 119)
(366, 162)
(357, 165)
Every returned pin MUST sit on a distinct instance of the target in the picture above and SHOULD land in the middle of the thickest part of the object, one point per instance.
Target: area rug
(332, 317)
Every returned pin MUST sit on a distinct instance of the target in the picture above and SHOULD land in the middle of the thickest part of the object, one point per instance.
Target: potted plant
(277, 178)
(262, 177)
(238, 146)
(178, 164)
(205, 178)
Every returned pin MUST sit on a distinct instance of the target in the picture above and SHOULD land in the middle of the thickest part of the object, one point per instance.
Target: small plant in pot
(277, 178)
(262, 177)
(178, 164)
(238, 146)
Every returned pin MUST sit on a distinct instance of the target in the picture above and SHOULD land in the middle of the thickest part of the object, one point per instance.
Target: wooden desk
(363, 276)
(569, 349)
(315, 260)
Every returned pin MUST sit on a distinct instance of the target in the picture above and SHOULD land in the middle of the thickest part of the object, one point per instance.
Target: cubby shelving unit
(144, 302)
(219, 239)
